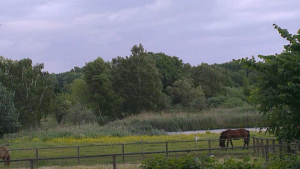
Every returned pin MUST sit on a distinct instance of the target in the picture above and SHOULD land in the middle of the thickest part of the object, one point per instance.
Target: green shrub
(184, 162)
(287, 162)
(216, 101)
(233, 102)
(80, 115)
(191, 162)
(235, 164)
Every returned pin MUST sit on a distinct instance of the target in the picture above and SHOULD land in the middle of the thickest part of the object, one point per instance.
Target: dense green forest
(105, 91)
(142, 82)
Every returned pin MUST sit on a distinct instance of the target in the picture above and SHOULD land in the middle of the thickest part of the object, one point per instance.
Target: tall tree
(184, 93)
(66, 78)
(8, 113)
(170, 68)
(79, 92)
(32, 88)
(60, 106)
(212, 78)
(137, 80)
(103, 98)
(278, 91)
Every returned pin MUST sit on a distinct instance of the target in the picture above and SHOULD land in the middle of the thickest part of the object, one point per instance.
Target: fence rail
(142, 146)
(122, 154)
(114, 159)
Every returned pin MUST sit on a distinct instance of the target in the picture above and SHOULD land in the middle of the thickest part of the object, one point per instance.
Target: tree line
(143, 81)
(104, 91)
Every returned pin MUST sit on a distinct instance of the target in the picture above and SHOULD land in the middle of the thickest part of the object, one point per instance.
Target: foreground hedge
(191, 162)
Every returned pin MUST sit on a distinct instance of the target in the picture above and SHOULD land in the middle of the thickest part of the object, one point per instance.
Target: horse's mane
(222, 136)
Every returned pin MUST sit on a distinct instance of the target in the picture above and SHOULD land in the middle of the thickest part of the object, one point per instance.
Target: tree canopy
(277, 92)
(31, 86)
(8, 114)
(137, 80)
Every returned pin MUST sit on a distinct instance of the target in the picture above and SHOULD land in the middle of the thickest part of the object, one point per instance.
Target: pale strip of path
(211, 131)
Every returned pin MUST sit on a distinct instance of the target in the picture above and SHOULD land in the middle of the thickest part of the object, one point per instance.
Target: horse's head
(5, 155)
(222, 140)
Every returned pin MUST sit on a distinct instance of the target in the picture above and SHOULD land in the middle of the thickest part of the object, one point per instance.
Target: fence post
(31, 163)
(280, 148)
(78, 155)
(267, 153)
(274, 148)
(267, 143)
(167, 149)
(262, 147)
(258, 148)
(142, 143)
(209, 150)
(123, 152)
(142, 146)
(254, 148)
(114, 161)
(37, 156)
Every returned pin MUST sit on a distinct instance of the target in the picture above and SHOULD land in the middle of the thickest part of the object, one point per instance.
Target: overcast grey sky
(67, 33)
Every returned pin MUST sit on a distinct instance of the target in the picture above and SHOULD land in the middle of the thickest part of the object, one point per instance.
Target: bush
(216, 101)
(287, 162)
(80, 115)
(185, 162)
(233, 102)
(191, 162)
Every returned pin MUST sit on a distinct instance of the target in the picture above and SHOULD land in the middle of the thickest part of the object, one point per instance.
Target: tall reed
(153, 123)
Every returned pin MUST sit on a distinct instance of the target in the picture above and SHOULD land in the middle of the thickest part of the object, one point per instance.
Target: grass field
(140, 133)
(111, 145)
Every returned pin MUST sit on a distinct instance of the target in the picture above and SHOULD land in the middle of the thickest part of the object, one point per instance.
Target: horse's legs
(248, 140)
(231, 143)
(227, 144)
(4, 159)
(245, 142)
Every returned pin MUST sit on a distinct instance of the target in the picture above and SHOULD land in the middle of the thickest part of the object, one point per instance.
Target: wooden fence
(121, 148)
(261, 148)
(140, 147)
(115, 158)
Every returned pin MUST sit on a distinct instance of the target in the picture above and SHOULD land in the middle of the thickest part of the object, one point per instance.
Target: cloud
(89, 18)
(159, 5)
(49, 10)
(31, 46)
(64, 34)
(35, 25)
(4, 44)
(123, 15)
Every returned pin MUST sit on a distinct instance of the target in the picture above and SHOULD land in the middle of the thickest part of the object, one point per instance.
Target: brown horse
(234, 134)
(5, 155)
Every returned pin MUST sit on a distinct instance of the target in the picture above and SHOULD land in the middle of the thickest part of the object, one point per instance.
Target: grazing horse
(234, 134)
(267, 130)
(5, 155)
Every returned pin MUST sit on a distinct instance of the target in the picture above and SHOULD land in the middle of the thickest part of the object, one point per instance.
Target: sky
(63, 34)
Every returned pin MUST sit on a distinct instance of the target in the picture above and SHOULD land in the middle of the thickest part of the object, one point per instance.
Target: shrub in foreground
(287, 162)
(191, 162)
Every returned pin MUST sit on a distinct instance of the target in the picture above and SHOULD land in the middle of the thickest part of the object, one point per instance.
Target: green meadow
(145, 132)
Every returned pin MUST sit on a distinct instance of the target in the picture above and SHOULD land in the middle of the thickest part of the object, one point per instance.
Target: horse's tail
(8, 159)
(248, 136)
(222, 139)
